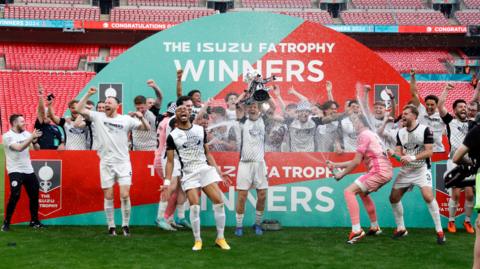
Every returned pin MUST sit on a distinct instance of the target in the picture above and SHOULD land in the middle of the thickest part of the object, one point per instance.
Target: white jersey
(390, 135)
(413, 142)
(301, 136)
(145, 139)
(456, 132)
(231, 114)
(252, 134)
(112, 134)
(325, 137)
(17, 162)
(376, 123)
(75, 138)
(189, 144)
(349, 135)
(436, 125)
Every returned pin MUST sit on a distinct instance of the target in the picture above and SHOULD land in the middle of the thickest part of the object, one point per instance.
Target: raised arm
(179, 83)
(392, 103)
(443, 98)
(81, 106)
(329, 87)
(158, 93)
(41, 104)
(297, 94)
(413, 89)
(276, 92)
(51, 112)
(476, 95)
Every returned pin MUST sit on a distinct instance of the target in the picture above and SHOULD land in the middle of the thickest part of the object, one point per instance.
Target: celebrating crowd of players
(189, 130)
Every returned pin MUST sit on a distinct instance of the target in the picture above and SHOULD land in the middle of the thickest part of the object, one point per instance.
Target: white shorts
(252, 175)
(200, 178)
(121, 172)
(410, 177)
(177, 167)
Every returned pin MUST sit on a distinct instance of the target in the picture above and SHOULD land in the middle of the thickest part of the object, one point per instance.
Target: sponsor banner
(36, 23)
(139, 26)
(425, 29)
(386, 29)
(352, 28)
(301, 192)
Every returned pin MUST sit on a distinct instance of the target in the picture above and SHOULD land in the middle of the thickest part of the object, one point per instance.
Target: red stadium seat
(52, 13)
(394, 17)
(168, 3)
(157, 15)
(468, 17)
(18, 91)
(462, 90)
(322, 17)
(45, 57)
(472, 3)
(277, 3)
(431, 61)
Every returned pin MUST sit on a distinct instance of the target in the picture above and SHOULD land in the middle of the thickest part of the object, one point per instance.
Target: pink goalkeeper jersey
(162, 137)
(374, 157)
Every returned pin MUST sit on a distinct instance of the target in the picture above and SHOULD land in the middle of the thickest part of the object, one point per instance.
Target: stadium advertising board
(303, 55)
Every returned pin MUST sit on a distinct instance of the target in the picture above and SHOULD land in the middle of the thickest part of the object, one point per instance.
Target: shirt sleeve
(363, 142)
(471, 140)
(37, 125)
(317, 120)
(447, 118)
(428, 136)
(421, 109)
(135, 123)
(171, 143)
(155, 111)
(92, 115)
(62, 122)
(399, 142)
(8, 140)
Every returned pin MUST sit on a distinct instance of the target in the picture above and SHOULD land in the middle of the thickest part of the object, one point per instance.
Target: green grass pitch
(148, 247)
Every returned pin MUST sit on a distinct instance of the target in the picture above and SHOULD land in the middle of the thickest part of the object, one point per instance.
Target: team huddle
(188, 131)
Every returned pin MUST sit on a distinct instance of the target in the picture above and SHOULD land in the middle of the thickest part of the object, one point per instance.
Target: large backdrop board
(214, 52)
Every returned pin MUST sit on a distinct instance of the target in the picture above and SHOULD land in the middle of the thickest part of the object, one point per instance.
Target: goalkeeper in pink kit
(379, 173)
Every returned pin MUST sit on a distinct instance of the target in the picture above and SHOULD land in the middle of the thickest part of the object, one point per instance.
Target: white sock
(239, 220)
(374, 224)
(162, 206)
(435, 213)
(195, 221)
(468, 210)
(219, 212)
(109, 210)
(398, 214)
(452, 209)
(258, 217)
(356, 228)
(181, 211)
(126, 209)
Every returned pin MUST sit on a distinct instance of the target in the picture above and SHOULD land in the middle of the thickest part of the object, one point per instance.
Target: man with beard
(429, 115)
(115, 166)
(200, 172)
(301, 131)
(415, 146)
(17, 143)
(75, 136)
(457, 129)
